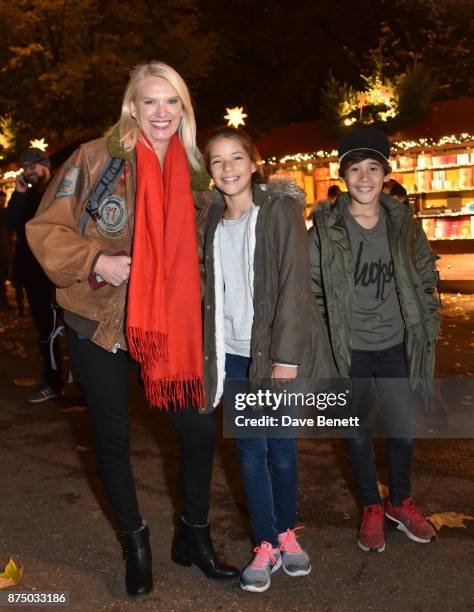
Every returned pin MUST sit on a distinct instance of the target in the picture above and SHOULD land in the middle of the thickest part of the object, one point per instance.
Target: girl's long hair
(243, 139)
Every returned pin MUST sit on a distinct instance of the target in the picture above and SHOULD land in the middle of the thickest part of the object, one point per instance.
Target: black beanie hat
(366, 139)
(34, 155)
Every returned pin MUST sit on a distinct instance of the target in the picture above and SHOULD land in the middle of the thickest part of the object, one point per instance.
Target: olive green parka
(416, 279)
(287, 325)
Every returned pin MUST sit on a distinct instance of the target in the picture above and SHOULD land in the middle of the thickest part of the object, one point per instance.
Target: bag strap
(104, 187)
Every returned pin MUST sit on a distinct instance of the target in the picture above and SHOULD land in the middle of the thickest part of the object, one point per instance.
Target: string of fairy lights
(402, 146)
(236, 116)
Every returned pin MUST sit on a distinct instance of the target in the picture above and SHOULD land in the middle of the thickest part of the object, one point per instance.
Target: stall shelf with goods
(434, 161)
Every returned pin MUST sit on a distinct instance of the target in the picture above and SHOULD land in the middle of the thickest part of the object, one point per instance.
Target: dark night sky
(65, 64)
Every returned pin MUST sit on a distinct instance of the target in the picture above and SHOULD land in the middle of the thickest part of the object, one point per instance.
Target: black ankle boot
(193, 545)
(138, 576)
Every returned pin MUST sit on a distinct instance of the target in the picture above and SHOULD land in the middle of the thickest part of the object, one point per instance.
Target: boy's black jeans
(103, 377)
(398, 417)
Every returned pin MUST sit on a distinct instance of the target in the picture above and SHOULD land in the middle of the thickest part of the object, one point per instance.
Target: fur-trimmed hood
(282, 188)
(287, 325)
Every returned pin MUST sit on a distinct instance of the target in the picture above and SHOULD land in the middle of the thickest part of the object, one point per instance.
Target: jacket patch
(68, 184)
(112, 216)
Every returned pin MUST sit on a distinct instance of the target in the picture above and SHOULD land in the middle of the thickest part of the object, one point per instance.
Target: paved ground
(53, 524)
(455, 264)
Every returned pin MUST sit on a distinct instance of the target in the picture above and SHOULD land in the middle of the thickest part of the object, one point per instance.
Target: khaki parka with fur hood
(416, 279)
(287, 325)
(68, 257)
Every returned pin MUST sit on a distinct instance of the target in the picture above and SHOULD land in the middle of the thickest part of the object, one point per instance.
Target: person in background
(333, 193)
(139, 306)
(396, 190)
(30, 186)
(260, 322)
(381, 308)
(5, 253)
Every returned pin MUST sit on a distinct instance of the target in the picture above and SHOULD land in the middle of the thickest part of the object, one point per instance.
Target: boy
(374, 276)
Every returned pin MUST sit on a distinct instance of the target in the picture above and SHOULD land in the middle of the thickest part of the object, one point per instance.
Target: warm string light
(11, 174)
(417, 158)
(306, 158)
(397, 146)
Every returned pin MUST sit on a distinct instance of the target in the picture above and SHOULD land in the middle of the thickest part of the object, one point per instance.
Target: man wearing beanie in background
(29, 188)
(374, 276)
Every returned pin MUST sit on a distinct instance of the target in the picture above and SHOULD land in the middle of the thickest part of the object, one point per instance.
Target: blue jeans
(398, 414)
(269, 471)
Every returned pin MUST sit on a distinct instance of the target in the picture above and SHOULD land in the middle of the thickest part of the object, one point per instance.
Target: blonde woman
(127, 278)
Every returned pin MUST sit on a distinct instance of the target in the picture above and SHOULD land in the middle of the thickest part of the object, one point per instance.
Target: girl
(260, 321)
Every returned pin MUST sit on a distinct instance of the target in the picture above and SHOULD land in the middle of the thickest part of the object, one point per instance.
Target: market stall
(434, 161)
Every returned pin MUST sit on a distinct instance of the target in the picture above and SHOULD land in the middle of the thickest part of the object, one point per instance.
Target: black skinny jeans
(398, 419)
(103, 377)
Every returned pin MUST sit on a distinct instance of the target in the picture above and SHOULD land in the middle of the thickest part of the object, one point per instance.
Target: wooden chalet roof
(447, 117)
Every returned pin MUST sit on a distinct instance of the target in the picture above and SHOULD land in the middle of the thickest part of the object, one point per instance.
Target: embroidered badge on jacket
(68, 183)
(112, 216)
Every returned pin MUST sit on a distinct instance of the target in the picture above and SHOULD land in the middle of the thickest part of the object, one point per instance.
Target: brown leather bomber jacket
(68, 257)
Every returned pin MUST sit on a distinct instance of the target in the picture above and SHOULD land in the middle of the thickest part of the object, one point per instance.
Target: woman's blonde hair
(127, 126)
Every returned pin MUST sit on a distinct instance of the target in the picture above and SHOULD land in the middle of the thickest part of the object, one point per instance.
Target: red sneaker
(410, 521)
(371, 537)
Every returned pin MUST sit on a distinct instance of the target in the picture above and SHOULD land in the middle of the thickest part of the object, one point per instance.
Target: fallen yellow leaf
(24, 382)
(383, 490)
(11, 575)
(449, 519)
(73, 409)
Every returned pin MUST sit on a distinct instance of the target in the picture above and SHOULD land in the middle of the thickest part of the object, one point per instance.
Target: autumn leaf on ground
(73, 409)
(24, 382)
(449, 519)
(383, 490)
(11, 575)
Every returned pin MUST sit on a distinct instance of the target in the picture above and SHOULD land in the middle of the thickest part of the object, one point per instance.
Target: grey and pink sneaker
(256, 577)
(294, 559)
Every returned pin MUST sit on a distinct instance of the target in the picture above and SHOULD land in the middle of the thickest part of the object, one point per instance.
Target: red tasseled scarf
(164, 327)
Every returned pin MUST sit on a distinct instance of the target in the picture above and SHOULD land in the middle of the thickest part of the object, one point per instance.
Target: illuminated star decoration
(39, 143)
(235, 116)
